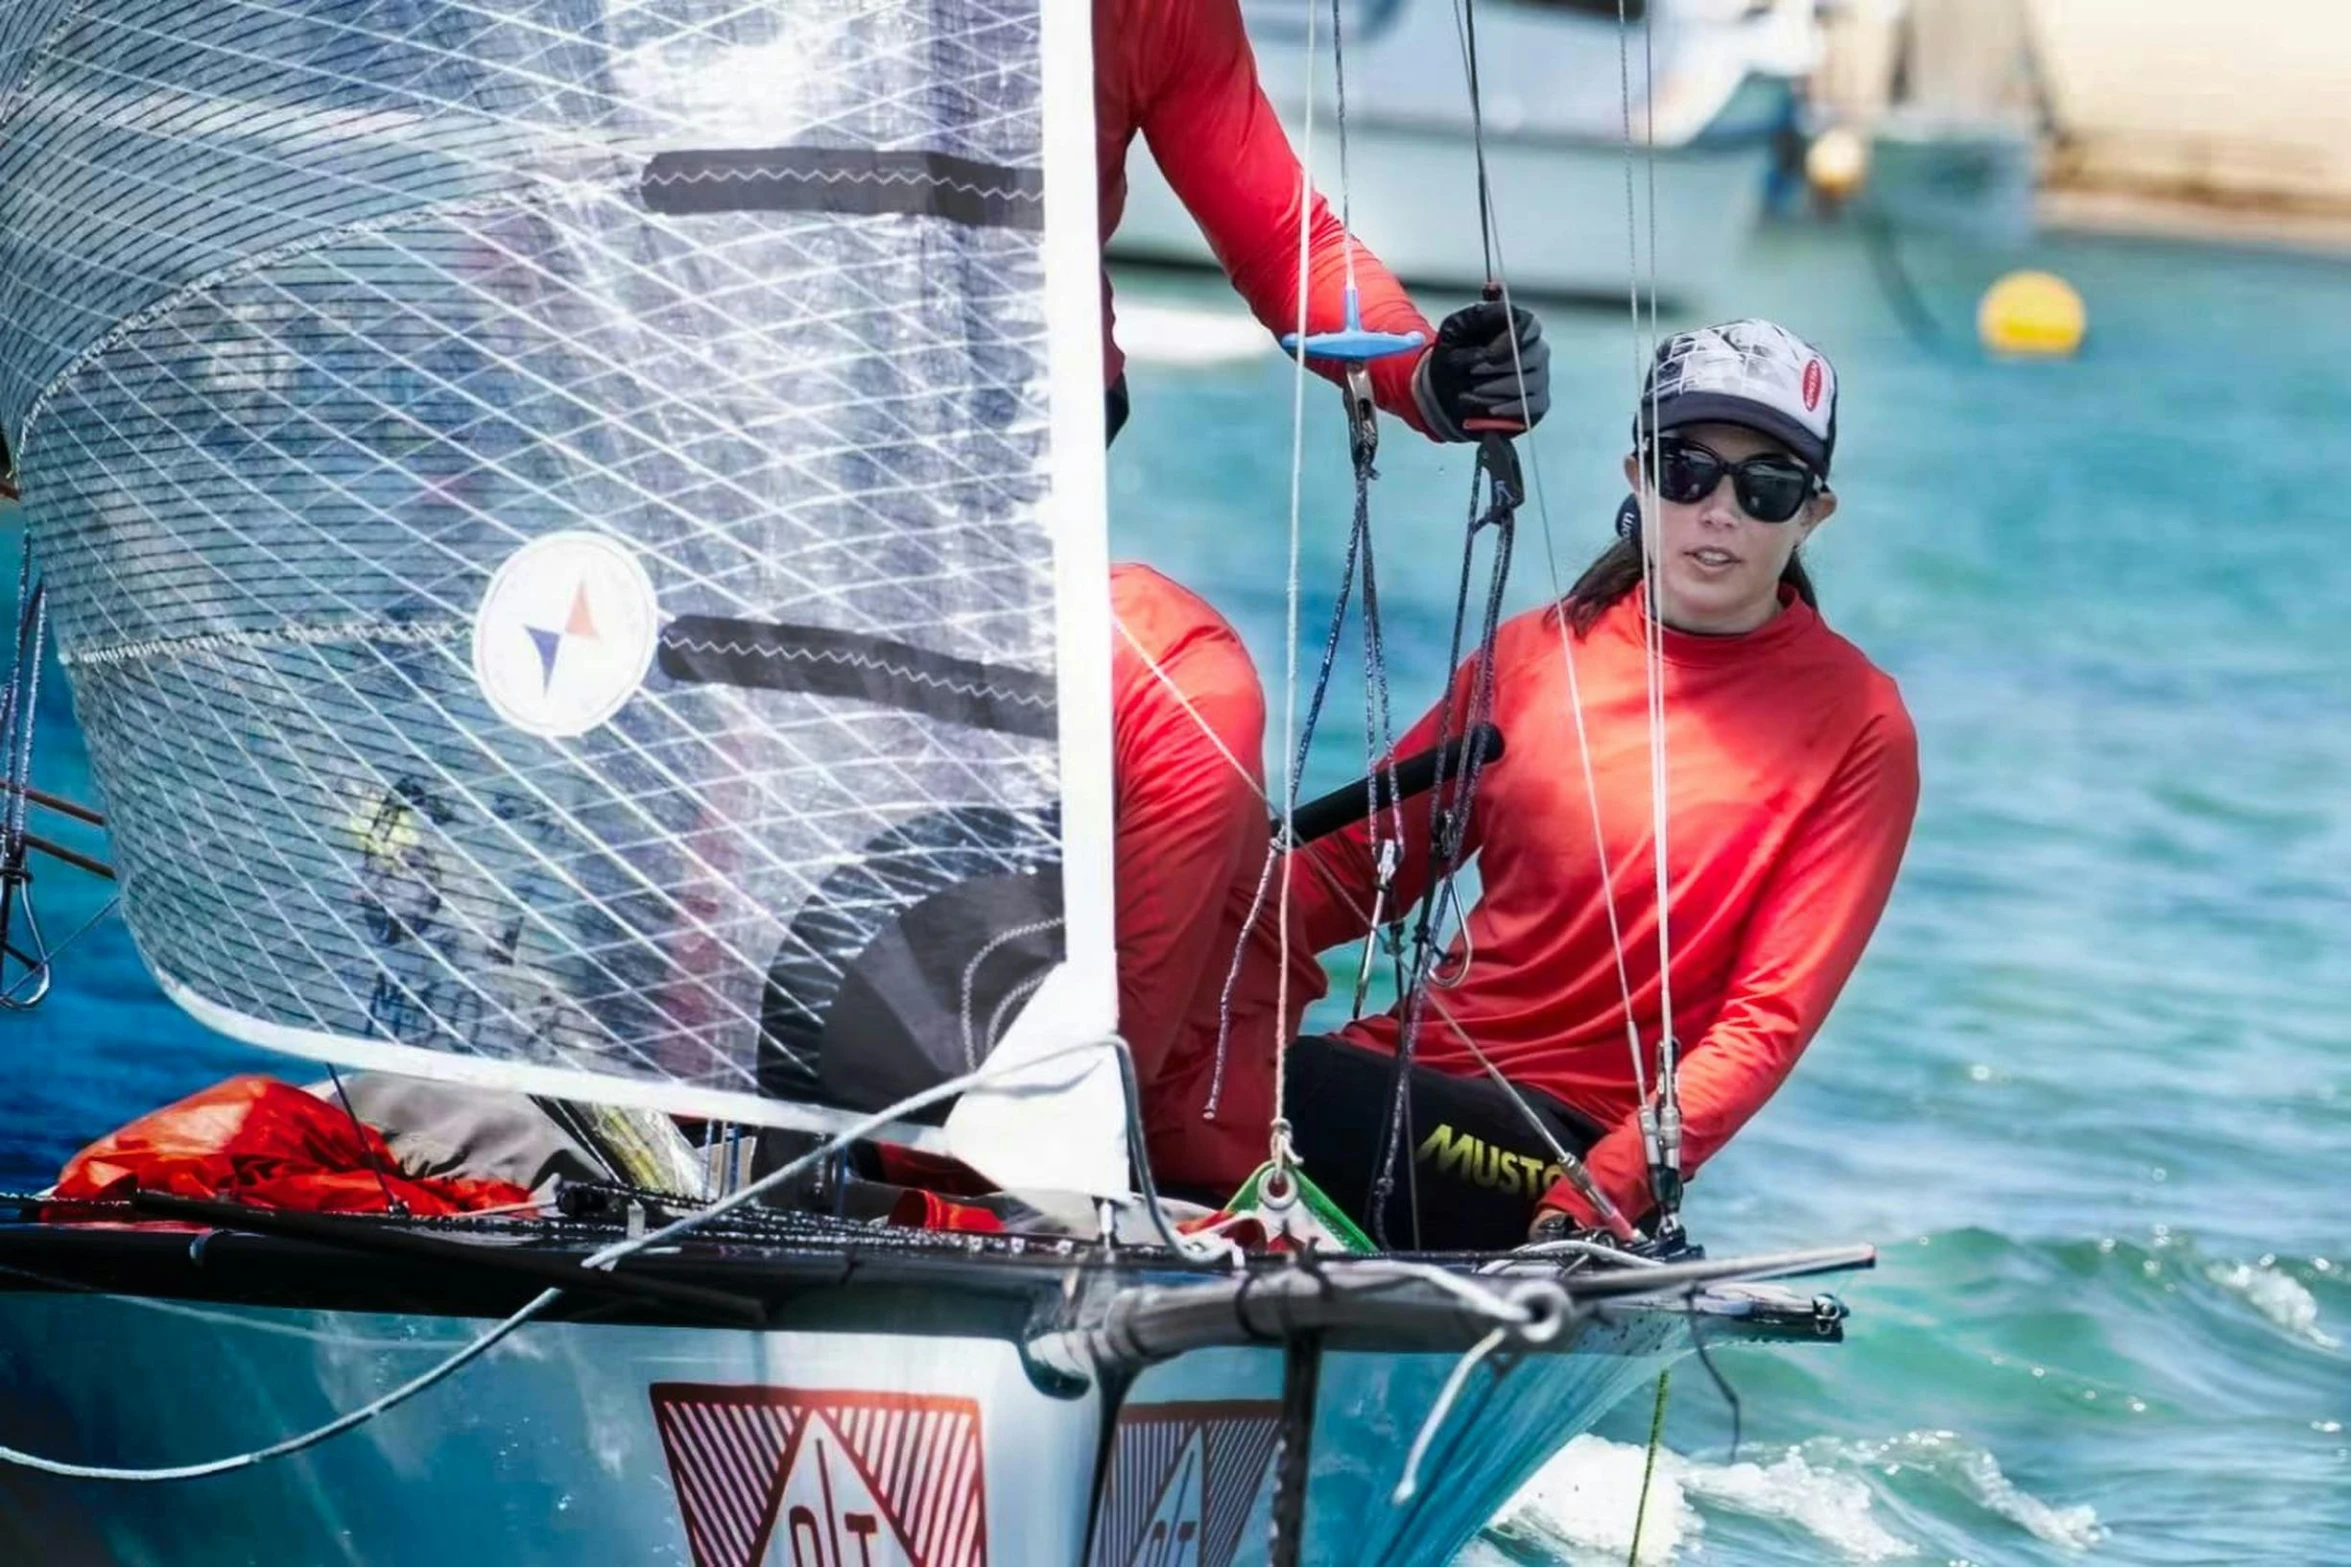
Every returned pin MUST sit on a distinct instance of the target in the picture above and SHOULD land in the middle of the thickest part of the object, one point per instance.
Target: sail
(576, 531)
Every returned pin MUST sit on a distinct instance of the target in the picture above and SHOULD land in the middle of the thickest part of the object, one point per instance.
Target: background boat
(1717, 97)
(1949, 100)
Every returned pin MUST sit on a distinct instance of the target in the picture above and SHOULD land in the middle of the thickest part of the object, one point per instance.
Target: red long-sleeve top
(1792, 780)
(1180, 72)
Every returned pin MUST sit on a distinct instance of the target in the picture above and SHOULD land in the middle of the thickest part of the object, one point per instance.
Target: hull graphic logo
(1183, 1480)
(830, 1479)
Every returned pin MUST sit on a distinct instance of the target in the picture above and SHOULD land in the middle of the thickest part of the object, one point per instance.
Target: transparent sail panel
(550, 516)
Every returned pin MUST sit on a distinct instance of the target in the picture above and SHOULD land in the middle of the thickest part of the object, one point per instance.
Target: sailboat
(576, 535)
(1713, 91)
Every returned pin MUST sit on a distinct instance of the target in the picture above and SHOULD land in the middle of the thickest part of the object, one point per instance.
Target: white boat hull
(874, 1423)
(1708, 90)
(1560, 207)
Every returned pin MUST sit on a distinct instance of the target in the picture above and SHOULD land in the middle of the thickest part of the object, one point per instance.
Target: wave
(1579, 1508)
(2165, 1311)
(2277, 1295)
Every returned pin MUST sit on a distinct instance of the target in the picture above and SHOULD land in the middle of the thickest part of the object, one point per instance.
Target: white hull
(872, 1423)
(1560, 206)
(1553, 85)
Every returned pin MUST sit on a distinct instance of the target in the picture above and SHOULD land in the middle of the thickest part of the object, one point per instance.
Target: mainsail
(575, 531)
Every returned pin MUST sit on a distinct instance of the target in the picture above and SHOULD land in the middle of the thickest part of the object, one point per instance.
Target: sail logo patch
(565, 633)
(1184, 1480)
(825, 1478)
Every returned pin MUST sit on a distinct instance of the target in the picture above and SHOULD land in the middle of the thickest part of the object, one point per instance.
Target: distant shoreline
(2324, 231)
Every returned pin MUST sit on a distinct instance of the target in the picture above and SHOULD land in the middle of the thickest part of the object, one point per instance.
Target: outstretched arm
(1803, 940)
(1223, 151)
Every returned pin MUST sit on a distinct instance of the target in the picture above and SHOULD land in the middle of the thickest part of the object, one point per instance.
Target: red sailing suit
(1180, 72)
(1191, 841)
(1792, 779)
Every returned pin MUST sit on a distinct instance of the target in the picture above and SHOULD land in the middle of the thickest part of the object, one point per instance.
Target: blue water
(2089, 1089)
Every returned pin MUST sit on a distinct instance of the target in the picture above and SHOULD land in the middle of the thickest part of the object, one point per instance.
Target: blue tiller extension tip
(1351, 342)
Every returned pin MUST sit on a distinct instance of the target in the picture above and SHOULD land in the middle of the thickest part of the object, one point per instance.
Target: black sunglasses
(1770, 487)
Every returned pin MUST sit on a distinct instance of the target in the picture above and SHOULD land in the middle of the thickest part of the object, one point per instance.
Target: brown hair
(1617, 572)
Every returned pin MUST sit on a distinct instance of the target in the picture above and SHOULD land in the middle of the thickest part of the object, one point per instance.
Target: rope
(1566, 1159)
(1294, 1452)
(359, 1131)
(1649, 1468)
(1409, 1481)
(1449, 810)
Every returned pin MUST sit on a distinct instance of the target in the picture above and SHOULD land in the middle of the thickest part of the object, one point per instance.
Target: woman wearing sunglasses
(1791, 778)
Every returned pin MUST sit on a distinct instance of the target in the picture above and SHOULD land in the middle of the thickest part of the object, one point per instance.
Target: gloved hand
(1471, 374)
(1565, 1212)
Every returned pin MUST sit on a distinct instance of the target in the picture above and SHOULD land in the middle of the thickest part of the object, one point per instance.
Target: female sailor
(1791, 773)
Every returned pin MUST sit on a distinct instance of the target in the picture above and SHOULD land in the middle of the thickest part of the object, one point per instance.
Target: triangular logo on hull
(827, 1514)
(1183, 1480)
(830, 1479)
(1172, 1537)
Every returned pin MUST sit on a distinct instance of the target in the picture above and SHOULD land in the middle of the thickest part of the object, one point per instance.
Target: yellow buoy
(2032, 313)
(1836, 163)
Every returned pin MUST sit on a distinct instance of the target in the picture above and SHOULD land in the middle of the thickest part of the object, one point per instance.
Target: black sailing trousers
(1473, 1171)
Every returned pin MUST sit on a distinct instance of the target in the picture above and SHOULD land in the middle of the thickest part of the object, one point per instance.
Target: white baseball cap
(1753, 373)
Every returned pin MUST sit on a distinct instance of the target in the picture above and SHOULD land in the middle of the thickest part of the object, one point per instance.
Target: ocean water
(2090, 1089)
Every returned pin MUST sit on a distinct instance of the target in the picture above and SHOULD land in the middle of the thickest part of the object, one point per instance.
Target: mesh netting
(312, 312)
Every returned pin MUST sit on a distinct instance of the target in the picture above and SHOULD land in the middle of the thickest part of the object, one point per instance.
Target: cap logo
(1811, 385)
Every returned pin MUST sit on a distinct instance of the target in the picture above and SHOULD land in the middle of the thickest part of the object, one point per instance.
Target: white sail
(576, 532)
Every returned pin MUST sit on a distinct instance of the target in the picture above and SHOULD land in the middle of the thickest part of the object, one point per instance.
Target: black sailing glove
(1472, 373)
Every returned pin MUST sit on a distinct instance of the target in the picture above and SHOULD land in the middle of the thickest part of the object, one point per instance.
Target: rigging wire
(1333, 887)
(1665, 1170)
(1497, 472)
(1467, 16)
(11, 997)
(1659, 1119)
(1649, 1466)
(1278, 1135)
(1353, 347)
(1450, 809)
(392, 1205)
(1339, 106)
(19, 712)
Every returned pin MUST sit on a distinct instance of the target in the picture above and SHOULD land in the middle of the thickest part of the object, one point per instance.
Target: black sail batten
(822, 661)
(848, 181)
